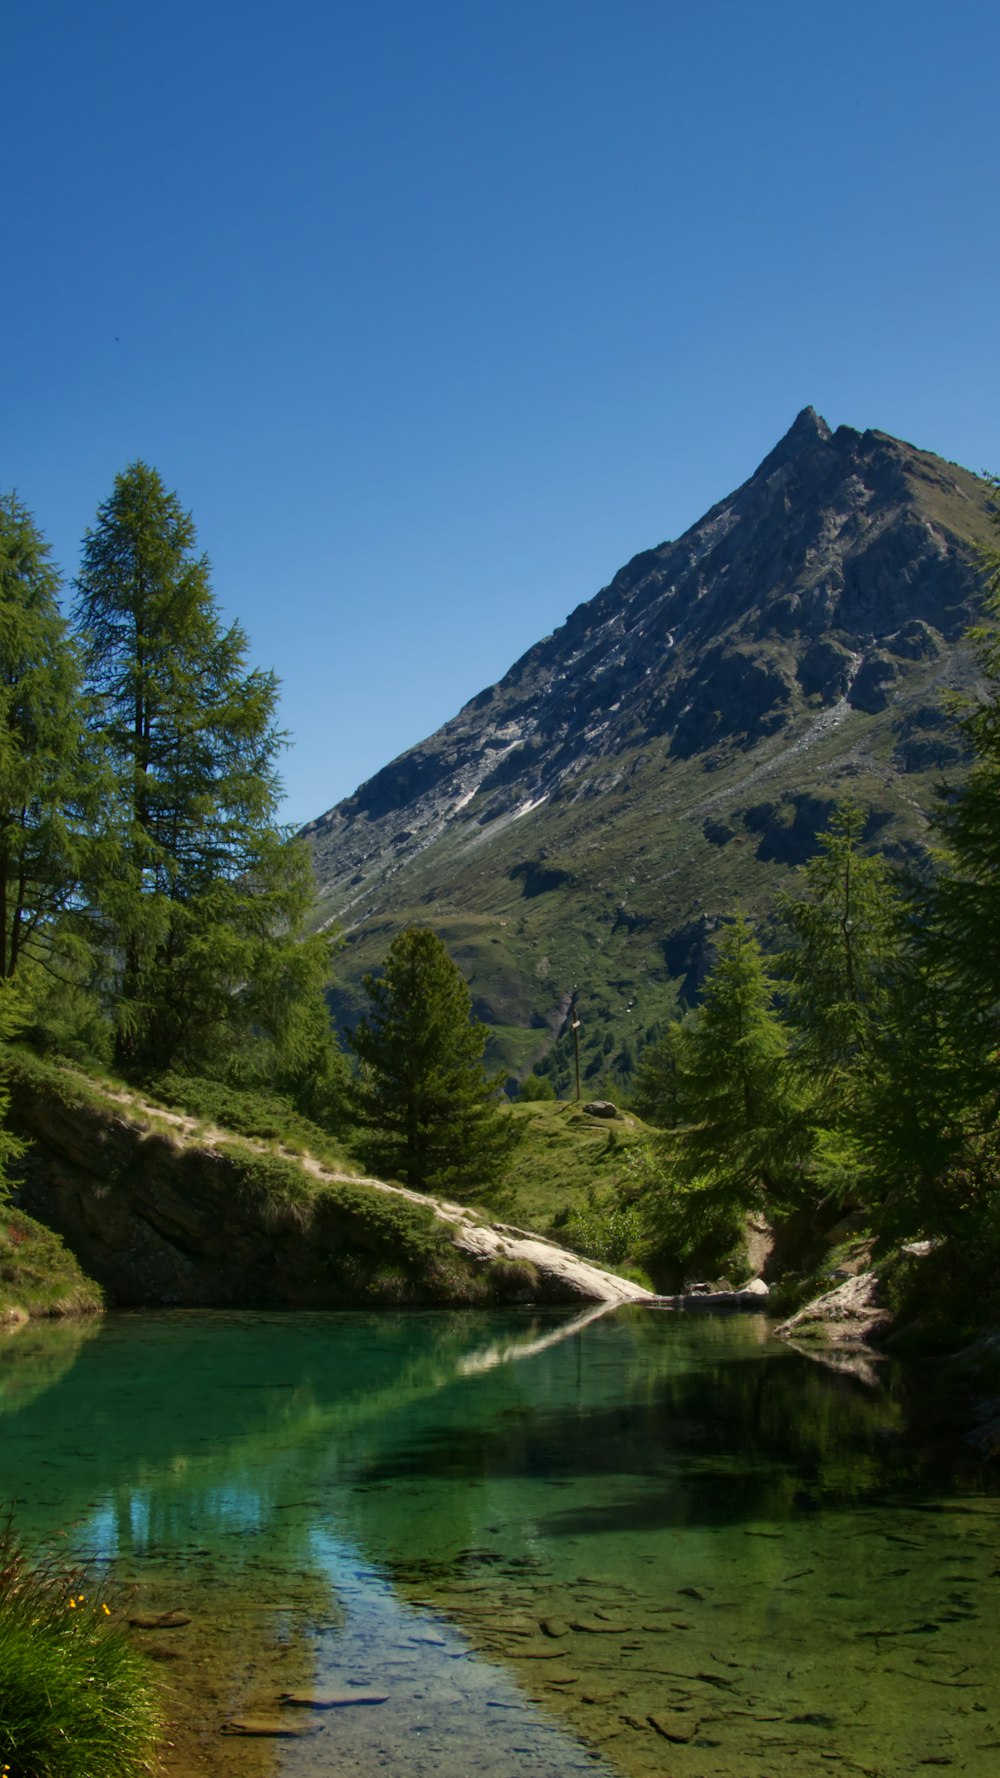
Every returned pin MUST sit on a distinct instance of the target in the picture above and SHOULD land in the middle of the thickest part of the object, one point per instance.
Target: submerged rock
(330, 1698)
(279, 1727)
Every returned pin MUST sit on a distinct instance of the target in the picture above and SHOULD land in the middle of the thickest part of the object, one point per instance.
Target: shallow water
(633, 1543)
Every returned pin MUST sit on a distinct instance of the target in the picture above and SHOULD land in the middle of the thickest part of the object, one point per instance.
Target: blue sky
(435, 313)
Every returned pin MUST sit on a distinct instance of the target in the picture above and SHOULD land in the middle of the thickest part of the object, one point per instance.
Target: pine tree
(205, 899)
(927, 1112)
(963, 910)
(47, 782)
(744, 1133)
(658, 1094)
(845, 942)
(428, 1107)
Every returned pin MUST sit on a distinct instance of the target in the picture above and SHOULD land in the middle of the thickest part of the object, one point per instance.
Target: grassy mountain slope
(577, 830)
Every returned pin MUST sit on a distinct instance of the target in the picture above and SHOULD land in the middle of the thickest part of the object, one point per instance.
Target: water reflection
(685, 1543)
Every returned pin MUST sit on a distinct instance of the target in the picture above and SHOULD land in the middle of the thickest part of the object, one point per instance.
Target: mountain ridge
(796, 638)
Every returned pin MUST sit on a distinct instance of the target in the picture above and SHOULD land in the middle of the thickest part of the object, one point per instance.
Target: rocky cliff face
(161, 1212)
(727, 686)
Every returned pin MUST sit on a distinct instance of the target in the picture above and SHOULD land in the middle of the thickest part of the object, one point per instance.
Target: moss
(513, 1280)
(38, 1274)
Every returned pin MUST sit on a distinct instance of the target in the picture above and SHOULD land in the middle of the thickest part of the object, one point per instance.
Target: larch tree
(203, 905)
(845, 932)
(48, 784)
(426, 1103)
(742, 1132)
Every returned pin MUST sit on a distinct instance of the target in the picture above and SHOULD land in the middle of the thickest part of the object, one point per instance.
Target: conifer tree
(426, 1103)
(658, 1094)
(47, 782)
(845, 942)
(743, 1132)
(204, 901)
(963, 909)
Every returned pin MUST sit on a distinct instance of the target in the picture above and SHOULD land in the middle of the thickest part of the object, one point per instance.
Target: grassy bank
(76, 1699)
(38, 1274)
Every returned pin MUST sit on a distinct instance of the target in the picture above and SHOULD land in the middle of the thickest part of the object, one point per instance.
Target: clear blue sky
(434, 312)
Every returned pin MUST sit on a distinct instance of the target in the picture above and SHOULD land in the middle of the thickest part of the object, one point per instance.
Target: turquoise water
(629, 1543)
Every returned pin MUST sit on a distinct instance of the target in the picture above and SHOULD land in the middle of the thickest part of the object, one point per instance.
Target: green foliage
(537, 1089)
(610, 1232)
(564, 1160)
(38, 1274)
(48, 779)
(75, 1696)
(427, 1107)
(743, 1132)
(257, 1112)
(844, 925)
(931, 1093)
(693, 1230)
(201, 900)
(11, 1017)
(658, 1094)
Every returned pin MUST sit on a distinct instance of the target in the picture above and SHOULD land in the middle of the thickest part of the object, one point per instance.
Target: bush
(76, 1699)
(610, 1232)
(536, 1087)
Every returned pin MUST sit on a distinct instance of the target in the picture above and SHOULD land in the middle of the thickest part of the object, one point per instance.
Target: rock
(673, 1725)
(871, 688)
(846, 1316)
(165, 1620)
(331, 1698)
(600, 1108)
(279, 1727)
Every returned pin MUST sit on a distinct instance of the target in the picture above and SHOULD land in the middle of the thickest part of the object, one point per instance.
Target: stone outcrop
(849, 1316)
(161, 1212)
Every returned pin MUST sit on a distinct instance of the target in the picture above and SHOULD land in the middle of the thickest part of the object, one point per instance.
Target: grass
(335, 1242)
(259, 1115)
(76, 1699)
(566, 1160)
(38, 1274)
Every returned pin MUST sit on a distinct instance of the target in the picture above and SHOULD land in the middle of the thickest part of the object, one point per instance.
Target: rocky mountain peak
(807, 429)
(719, 688)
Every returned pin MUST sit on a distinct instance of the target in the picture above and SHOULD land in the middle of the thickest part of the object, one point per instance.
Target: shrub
(75, 1697)
(537, 1088)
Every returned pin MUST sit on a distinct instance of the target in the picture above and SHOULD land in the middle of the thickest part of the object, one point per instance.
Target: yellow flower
(105, 1610)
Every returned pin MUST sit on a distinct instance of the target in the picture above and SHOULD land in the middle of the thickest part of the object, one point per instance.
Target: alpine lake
(516, 1545)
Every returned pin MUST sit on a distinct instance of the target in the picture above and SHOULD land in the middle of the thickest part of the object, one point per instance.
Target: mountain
(576, 832)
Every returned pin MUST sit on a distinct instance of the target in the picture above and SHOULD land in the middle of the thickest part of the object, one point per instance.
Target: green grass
(38, 1274)
(260, 1115)
(76, 1699)
(566, 1160)
(341, 1241)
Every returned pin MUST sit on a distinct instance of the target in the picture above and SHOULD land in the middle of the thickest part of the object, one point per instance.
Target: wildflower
(105, 1609)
